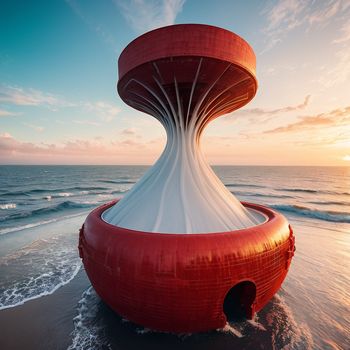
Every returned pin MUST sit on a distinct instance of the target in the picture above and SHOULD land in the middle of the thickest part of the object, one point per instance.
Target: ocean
(46, 301)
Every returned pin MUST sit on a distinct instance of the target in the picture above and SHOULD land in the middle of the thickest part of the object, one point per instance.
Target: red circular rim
(194, 42)
(273, 218)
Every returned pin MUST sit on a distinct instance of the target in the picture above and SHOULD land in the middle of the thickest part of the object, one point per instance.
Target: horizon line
(232, 165)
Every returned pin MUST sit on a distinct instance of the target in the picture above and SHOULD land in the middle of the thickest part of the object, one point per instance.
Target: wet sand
(47, 323)
(43, 323)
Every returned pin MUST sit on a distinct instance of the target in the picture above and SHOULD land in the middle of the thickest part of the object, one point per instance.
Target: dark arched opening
(238, 303)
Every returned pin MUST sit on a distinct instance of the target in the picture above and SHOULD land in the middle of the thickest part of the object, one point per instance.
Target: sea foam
(8, 206)
(37, 269)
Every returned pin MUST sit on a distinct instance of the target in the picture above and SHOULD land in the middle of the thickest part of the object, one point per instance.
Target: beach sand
(73, 317)
(47, 323)
(43, 323)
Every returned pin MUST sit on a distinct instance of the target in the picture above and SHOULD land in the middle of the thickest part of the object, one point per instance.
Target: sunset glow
(58, 100)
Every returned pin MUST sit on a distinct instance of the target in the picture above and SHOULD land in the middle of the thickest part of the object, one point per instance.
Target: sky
(58, 75)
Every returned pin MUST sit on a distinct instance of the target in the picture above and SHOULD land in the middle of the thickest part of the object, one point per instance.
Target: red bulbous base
(185, 283)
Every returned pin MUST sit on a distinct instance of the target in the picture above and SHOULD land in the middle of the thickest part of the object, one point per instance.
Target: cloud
(86, 122)
(324, 14)
(30, 97)
(347, 157)
(339, 72)
(96, 147)
(35, 127)
(104, 110)
(268, 113)
(129, 132)
(270, 44)
(286, 15)
(281, 18)
(144, 15)
(9, 145)
(333, 139)
(4, 113)
(337, 117)
(345, 34)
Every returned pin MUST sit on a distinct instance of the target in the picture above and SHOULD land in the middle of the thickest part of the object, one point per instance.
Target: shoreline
(309, 312)
(33, 325)
(48, 323)
(71, 315)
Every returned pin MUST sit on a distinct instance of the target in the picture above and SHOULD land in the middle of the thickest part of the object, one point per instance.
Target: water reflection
(97, 326)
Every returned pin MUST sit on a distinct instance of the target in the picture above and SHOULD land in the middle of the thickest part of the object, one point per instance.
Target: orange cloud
(4, 113)
(129, 132)
(30, 97)
(261, 112)
(340, 116)
(128, 151)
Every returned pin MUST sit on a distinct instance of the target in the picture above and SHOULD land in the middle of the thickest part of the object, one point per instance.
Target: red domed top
(197, 71)
(187, 40)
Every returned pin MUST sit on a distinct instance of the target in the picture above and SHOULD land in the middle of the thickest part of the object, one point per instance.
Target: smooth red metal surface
(178, 282)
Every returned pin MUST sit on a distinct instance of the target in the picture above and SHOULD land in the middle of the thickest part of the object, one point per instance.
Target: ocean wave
(340, 203)
(37, 270)
(286, 332)
(89, 203)
(8, 206)
(93, 331)
(29, 192)
(302, 190)
(14, 297)
(105, 195)
(326, 215)
(58, 195)
(307, 190)
(24, 227)
(88, 328)
(119, 191)
(65, 194)
(262, 195)
(244, 185)
(87, 188)
(67, 205)
(7, 230)
(119, 182)
(70, 194)
(58, 191)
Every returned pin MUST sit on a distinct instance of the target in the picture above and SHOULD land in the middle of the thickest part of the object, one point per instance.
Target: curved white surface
(181, 193)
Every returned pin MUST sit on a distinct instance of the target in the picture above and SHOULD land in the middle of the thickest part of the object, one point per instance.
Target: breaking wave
(244, 185)
(326, 215)
(56, 191)
(119, 182)
(306, 190)
(64, 206)
(8, 206)
(39, 269)
(88, 329)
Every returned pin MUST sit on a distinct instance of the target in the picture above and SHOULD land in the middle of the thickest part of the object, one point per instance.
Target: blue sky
(58, 74)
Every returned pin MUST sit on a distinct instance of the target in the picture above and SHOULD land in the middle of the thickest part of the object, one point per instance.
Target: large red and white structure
(179, 252)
